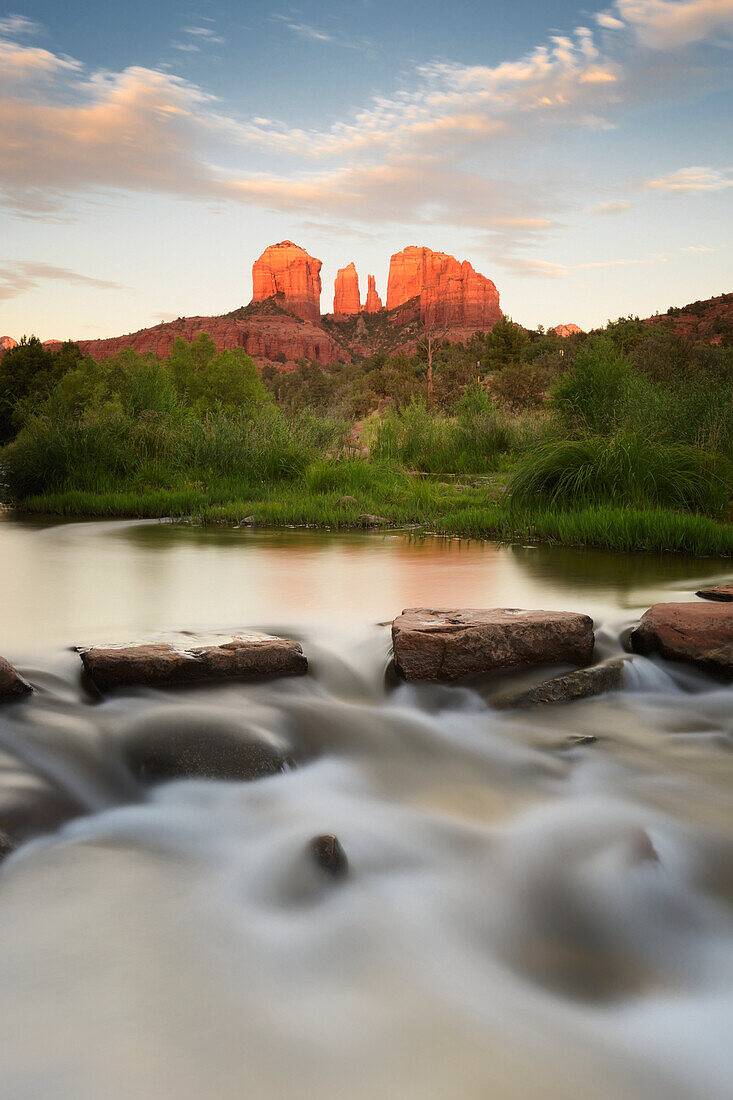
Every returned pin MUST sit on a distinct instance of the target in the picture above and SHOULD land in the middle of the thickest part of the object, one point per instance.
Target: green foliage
(505, 343)
(419, 439)
(626, 470)
(28, 373)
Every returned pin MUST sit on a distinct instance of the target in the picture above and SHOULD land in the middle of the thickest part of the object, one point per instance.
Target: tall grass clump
(628, 471)
(469, 442)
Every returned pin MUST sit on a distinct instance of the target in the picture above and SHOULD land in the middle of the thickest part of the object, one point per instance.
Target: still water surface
(523, 919)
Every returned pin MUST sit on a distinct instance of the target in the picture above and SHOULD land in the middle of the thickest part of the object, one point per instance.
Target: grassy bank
(471, 512)
(619, 455)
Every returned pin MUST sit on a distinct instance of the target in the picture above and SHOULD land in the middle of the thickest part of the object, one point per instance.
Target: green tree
(505, 343)
(28, 373)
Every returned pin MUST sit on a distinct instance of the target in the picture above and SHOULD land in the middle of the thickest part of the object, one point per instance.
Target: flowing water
(524, 918)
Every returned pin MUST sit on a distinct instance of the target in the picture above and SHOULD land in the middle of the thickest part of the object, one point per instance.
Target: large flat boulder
(12, 684)
(245, 657)
(699, 633)
(582, 683)
(447, 644)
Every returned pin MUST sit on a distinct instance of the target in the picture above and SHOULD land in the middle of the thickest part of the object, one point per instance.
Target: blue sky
(579, 156)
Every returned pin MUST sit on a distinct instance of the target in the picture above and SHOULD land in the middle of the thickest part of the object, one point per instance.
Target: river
(524, 917)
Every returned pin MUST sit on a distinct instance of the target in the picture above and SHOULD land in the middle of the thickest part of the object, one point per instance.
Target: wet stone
(12, 684)
(245, 657)
(699, 634)
(328, 854)
(445, 644)
(722, 593)
(177, 743)
(581, 684)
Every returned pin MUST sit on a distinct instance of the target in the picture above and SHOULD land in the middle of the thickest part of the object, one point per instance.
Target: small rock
(723, 593)
(12, 684)
(448, 644)
(700, 634)
(6, 846)
(347, 500)
(329, 855)
(581, 684)
(248, 521)
(371, 521)
(583, 739)
(243, 657)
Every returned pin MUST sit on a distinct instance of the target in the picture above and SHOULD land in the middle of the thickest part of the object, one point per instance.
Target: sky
(581, 157)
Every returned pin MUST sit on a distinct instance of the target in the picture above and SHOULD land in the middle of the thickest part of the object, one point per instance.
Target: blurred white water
(523, 918)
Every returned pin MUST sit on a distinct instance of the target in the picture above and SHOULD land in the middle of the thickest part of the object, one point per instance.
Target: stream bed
(539, 904)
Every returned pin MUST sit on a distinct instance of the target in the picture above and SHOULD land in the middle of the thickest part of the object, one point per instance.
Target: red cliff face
(346, 299)
(6, 343)
(451, 294)
(288, 270)
(373, 301)
(264, 331)
(566, 330)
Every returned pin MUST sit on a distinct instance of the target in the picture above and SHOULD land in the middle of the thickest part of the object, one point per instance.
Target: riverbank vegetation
(621, 439)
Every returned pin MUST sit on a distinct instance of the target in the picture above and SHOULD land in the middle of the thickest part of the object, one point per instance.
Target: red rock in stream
(700, 634)
(12, 684)
(247, 656)
(447, 644)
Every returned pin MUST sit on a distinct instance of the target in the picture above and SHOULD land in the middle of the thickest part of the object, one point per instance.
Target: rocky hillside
(709, 321)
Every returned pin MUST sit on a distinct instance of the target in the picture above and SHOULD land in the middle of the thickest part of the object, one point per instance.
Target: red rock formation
(346, 298)
(288, 270)
(566, 330)
(373, 301)
(264, 331)
(53, 345)
(451, 294)
(6, 343)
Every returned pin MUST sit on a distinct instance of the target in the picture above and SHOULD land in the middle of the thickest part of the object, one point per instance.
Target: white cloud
(14, 25)
(685, 181)
(666, 24)
(609, 208)
(608, 22)
(20, 276)
(205, 34)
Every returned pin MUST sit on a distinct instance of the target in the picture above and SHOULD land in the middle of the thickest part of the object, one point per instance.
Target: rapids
(524, 918)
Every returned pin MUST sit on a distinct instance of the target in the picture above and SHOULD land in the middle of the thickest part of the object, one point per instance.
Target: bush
(626, 471)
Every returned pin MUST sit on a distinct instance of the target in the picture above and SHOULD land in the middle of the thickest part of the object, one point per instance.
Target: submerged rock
(177, 742)
(12, 684)
(700, 634)
(445, 645)
(247, 656)
(329, 855)
(723, 593)
(580, 684)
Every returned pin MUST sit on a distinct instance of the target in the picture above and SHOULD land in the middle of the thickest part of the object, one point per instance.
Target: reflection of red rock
(450, 293)
(566, 330)
(6, 343)
(346, 299)
(263, 330)
(287, 269)
(373, 301)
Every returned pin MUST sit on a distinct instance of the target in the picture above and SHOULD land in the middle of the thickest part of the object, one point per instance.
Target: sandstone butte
(373, 301)
(6, 343)
(566, 330)
(451, 293)
(346, 298)
(288, 270)
(283, 322)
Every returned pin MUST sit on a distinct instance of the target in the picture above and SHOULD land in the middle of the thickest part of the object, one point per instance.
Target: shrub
(626, 471)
